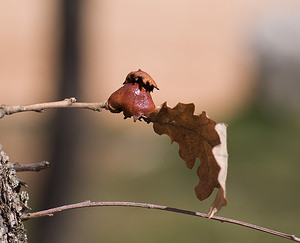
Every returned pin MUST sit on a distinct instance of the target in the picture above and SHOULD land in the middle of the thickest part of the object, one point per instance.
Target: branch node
(73, 100)
(294, 238)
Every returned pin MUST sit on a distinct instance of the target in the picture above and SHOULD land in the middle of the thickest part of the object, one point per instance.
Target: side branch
(66, 103)
(50, 212)
(29, 167)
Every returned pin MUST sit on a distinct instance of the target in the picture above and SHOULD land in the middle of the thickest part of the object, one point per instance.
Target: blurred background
(237, 60)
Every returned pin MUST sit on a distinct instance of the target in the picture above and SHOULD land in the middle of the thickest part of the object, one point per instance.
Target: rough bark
(13, 201)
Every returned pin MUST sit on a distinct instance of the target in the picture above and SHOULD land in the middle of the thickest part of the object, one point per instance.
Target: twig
(29, 167)
(50, 212)
(66, 103)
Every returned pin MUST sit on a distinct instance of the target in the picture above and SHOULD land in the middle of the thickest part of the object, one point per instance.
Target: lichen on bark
(13, 202)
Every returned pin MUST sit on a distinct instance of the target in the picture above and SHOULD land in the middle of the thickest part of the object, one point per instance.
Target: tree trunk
(12, 203)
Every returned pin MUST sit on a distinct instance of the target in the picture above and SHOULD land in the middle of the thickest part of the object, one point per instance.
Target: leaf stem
(50, 212)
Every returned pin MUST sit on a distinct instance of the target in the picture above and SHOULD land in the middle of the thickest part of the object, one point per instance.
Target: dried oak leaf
(198, 137)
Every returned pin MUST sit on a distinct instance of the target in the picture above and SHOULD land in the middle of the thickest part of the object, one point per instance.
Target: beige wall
(197, 51)
(28, 50)
(28, 72)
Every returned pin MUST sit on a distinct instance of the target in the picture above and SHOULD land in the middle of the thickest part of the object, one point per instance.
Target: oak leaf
(198, 137)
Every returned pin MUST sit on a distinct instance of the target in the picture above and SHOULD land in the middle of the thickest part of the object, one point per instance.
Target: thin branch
(66, 103)
(50, 212)
(29, 167)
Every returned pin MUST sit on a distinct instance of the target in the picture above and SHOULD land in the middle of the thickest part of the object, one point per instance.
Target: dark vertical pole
(59, 189)
(70, 53)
